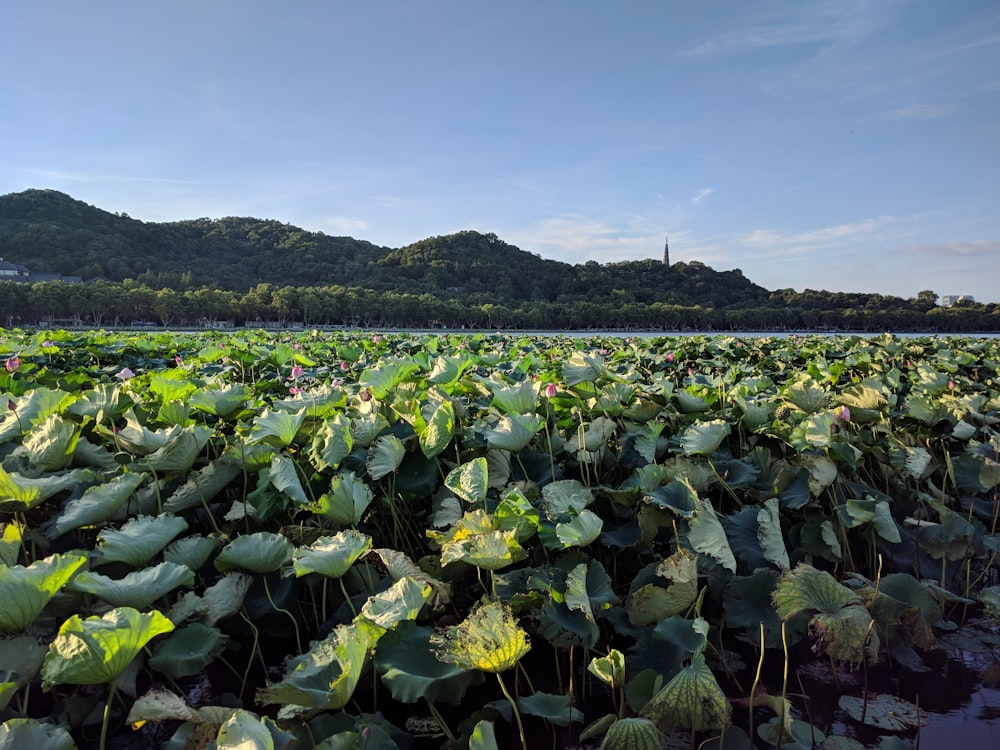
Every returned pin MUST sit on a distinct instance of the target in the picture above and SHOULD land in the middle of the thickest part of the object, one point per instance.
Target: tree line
(111, 304)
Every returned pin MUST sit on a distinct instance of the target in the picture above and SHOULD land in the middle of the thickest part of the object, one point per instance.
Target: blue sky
(844, 145)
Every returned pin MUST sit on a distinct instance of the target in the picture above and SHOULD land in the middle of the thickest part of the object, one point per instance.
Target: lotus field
(344, 539)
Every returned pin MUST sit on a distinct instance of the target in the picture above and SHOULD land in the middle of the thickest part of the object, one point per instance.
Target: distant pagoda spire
(666, 251)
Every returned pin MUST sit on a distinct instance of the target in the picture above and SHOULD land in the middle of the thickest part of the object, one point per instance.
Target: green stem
(440, 720)
(517, 714)
(347, 598)
(107, 713)
(295, 623)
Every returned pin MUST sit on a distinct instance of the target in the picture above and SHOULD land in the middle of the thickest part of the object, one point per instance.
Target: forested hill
(46, 230)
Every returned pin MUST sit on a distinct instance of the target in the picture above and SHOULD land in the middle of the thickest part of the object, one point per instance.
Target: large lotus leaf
(284, 477)
(806, 395)
(469, 481)
(220, 400)
(277, 428)
(320, 402)
(514, 431)
(813, 432)
(11, 539)
(203, 485)
(261, 552)
(592, 440)
(385, 456)
(25, 591)
(346, 502)
(609, 669)
(704, 438)
(747, 604)
(706, 535)
(519, 398)
(678, 496)
(19, 493)
(162, 705)
(401, 601)
(193, 550)
(21, 657)
(883, 711)
(16, 734)
(556, 709)
(331, 556)
(332, 443)
(490, 550)
(652, 602)
(791, 734)
(386, 375)
(411, 672)
(489, 640)
(177, 454)
(97, 650)
(806, 588)
(632, 732)
(614, 399)
(367, 427)
(436, 434)
(691, 700)
(447, 370)
(136, 542)
(222, 599)
(905, 602)
(99, 402)
(187, 651)
(647, 439)
(32, 408)
(323, 678)
(566, 496)
(138, 589)
(399, 566)
(97, 504)
(583, 368)
(579, 531)
(136, 438)
(246, 731)
(50, 444)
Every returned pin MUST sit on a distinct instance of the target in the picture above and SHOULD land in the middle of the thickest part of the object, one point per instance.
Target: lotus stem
(756, 677)
(295, 623)
(784, 675)
(517, 714)
(113, 688)
(440, 720)
(347, 597)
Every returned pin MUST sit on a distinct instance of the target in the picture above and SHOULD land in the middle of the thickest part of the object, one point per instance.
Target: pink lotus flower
(670, 356)
(177, 360)
(125, 374)
(844, 414)
(293, 390)
(297, 372)
(344, 366)
(13, 363)
(951, 385)
(550, 390)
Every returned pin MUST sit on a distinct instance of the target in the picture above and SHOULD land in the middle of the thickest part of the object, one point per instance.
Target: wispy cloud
(96, 177)
(578, 239)
(922, 112)
(701, 195)
(975, 248)
(769, 242)
(340, 225)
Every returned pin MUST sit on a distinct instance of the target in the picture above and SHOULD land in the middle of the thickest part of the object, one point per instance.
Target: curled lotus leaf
(139, 588)
(26, 590)
(188, 650)
(261, 552)
(691, 700)
(489, 640)
(331, 556)
(98, 649)
(137, 541)
(469, 481)
(20, 733)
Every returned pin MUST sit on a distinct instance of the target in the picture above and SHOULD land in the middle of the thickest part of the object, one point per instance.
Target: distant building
(23, 275)
(947, 300)
(666, 251)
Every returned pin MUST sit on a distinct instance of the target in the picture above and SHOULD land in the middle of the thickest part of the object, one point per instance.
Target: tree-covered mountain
(46, 230)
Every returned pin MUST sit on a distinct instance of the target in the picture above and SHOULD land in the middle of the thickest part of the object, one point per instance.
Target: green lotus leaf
(841, 626)
(178, 453)
(584, 368)
(11, 539)
(20, 493)
(332, 443)
(447, 370)
(514, 431)
(691, 700)
(222, 401)
(883, 711)
(222, 599)
(203, 485)
(401, 601)
(97, 504)
(578, 532)
(566, 496)
(792, 734)
(806, 395)
(346, 502)
(652, 602)
(609, 669)
(689, 403)
(469, 481)
(518, 398)
(162, 705)
(704, 438)
(261, 552)
(136, 438)
(411, 672)
(97, 650)
(22, 657)
(556, 709)
(399, 566)
(706, 535)
(515, 512)
(632, 732)
(813, 432)
(193, 550)
(593, 440)
(276, 428)
(385, 456)
(331, 556)
(284, 477)
(568, 616)
(139, 539)
(324, 678)
(386, 375)
(647, 439)
(50, 443)
(30, 409)
(691, 636)
(489, 640)
(242, 731)
(483, 736)
(188, 650)
(26, 590)
(137, 589)
(437, 433)
(368, 427)
(16, 734)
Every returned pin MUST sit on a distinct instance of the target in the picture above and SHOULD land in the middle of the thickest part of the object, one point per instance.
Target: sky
(847, 145)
